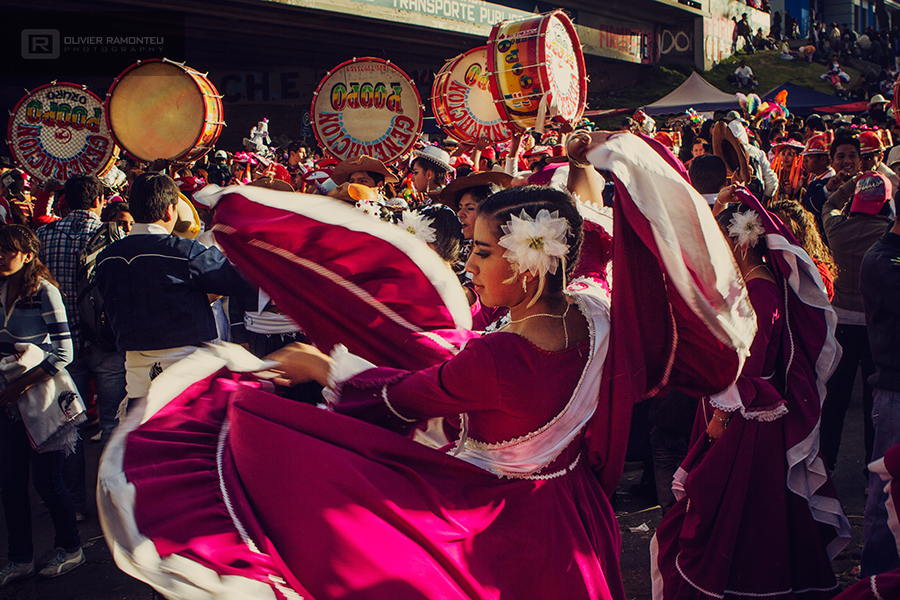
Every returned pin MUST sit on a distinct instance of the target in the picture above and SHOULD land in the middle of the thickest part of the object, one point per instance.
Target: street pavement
(97, 579)
(100, 579)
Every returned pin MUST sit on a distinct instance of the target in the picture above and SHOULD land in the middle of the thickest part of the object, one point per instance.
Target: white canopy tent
(696, 93)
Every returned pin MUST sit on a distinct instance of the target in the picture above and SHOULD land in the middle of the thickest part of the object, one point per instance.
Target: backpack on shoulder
(95, 325)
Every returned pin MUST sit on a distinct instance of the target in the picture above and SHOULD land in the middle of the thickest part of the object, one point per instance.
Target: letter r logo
(40, 44)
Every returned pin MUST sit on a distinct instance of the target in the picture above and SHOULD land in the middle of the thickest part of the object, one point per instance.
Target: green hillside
(771, 71)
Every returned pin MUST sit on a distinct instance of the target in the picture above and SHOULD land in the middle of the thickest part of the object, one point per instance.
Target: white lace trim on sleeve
(728, 400)
(873, 585)
(767, 415)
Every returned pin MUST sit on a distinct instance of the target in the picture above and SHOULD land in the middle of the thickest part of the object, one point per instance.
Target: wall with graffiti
(718, 30)
(675, 42)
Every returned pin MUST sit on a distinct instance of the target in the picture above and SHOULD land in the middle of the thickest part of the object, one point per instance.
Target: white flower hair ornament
(418, 225)
(746, 228)
(536, 245)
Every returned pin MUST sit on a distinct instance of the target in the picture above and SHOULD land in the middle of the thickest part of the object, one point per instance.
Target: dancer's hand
(717, 424)
(300, 363)
(726, 196)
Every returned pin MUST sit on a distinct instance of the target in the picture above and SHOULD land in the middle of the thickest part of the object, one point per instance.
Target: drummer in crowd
(542, 167)
(363, 170)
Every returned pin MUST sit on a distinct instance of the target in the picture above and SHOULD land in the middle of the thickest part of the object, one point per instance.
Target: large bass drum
(462, 101)
(157, 108)
(58, 130)
(367, 106)
(537, 61)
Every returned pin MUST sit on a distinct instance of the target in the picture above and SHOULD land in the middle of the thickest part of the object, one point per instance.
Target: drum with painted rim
(533, 61)
(462, 101)
(157, 108)
(59, 130)
(367, 106)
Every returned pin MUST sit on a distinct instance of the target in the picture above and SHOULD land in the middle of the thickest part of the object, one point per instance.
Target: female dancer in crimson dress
(512, 511)
(525, 241)
(757, 515)
(272, 499)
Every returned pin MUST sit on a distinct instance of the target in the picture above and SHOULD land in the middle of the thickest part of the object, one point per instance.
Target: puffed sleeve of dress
(398, 399)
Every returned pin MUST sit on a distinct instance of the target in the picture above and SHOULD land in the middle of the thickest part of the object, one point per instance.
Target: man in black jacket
(157, 287)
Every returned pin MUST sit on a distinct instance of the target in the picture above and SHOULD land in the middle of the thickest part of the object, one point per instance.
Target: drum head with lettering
(59, 130)
(160, 109)
(462, 101)
(564, 69)
(367, 106)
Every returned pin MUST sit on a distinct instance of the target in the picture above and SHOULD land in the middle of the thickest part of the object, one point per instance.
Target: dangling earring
(524, 284)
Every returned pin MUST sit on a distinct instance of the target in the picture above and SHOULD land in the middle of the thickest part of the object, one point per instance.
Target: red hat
(278, 171)
(892, 465)
(789, 143)
(327, 164)
(462, 159)
(489, 153)
(869, 142)
(537, 151)
(817, 144)
(873, 190)
(665, 139)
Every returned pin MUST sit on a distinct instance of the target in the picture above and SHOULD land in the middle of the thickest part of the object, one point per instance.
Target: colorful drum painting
(58, 130)
(157, 108)
(367, 106)
(534, 58)
(462, 101)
